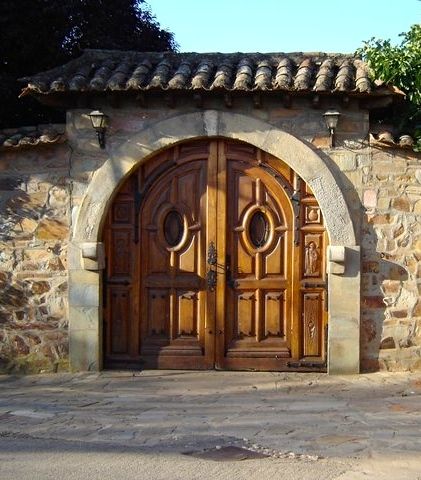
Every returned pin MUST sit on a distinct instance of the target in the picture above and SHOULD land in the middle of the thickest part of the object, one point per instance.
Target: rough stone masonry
(43, 184)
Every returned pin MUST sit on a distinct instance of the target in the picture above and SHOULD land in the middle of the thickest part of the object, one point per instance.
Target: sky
(283, 25)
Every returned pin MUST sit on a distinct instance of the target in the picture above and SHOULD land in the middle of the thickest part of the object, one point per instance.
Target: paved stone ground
(141, 424)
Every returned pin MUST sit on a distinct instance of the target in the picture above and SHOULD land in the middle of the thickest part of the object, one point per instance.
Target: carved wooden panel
(120, 261)
(158, 312)
(245, 318)
(122, 212)
(312, 324)
(274, 314)
(188, 309)
(312, 215)
(313, 255)
(120, 316)
(193, 150)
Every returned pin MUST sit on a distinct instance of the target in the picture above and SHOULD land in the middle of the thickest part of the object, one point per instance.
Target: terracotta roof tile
(109, 70)
(386, 139)
(202, 75)
(29, 136)
(325, 76)
(284, 74)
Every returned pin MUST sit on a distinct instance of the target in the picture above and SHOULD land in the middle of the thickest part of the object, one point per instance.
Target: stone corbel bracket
(93, 256)
(336, 259)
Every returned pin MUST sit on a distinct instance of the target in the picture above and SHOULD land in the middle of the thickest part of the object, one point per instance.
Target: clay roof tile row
(108, 70)
(30, 136)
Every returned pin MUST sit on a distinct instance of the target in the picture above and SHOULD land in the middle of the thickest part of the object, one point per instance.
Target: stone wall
(391, 269)
(383, 187)
(34, 232)
(42, 187)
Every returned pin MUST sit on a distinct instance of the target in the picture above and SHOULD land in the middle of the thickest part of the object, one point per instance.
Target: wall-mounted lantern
(99, 120)
(331, 118)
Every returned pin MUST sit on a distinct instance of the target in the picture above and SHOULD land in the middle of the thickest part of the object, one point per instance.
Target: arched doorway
(315, 168)
(215, 254)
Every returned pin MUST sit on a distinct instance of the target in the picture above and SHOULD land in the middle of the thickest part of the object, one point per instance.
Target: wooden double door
(214, 254)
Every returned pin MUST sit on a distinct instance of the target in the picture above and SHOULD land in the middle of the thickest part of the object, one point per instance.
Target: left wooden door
(155, 285)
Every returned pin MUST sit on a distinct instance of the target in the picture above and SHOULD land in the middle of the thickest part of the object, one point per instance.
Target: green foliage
(36, 35)
(400, 65)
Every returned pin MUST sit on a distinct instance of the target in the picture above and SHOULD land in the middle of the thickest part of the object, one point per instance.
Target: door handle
(212, 254)
(211, 278)
(230, 281)
(212, 259)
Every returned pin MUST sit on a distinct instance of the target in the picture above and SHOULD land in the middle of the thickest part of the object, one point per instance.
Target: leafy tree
(36, 35)
(400, 65)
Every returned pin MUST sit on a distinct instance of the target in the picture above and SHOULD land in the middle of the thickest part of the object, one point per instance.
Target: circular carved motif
(258, 229)
(173, 227)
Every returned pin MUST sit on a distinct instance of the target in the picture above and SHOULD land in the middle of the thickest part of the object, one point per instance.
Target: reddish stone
(370, 198)
(4, 277)
(399, 313)
(321, 141)
(401, 203)
(368, 330)
(51, 229)
(379, 219)
(373, 302)
(391, 287)
(43, 310)
(33, 338)
(369, 365)
(55, 264)
(5, 317)
(371, 267)
(13, 296)
(40, 287)
(20, 345)
(417, 309)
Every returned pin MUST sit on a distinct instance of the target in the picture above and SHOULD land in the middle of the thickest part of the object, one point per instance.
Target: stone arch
(84, 285)
(295, 153)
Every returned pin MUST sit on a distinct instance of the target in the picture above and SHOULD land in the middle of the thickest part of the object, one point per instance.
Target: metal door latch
(212, 259)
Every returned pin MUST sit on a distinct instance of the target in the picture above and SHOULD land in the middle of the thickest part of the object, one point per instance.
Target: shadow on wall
(388, 285)
(33, 280)
(387, 306)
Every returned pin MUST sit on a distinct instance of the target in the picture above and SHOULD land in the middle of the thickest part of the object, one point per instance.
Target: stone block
(85, 353)
(370, 198)
(346, 161)
(344, 317)
(84, 318)
(401, 203)
(83, 295)
(321, 141)
(52, 229)
(84, 276)
(383, 203)
(364, 160)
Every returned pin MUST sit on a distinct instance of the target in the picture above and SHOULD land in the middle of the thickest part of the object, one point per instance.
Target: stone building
(220, 223)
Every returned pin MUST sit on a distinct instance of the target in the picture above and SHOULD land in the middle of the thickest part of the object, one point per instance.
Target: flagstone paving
(304, 417)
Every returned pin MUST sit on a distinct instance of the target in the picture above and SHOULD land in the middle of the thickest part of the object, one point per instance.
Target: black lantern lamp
(331, 118)
(99, 120)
